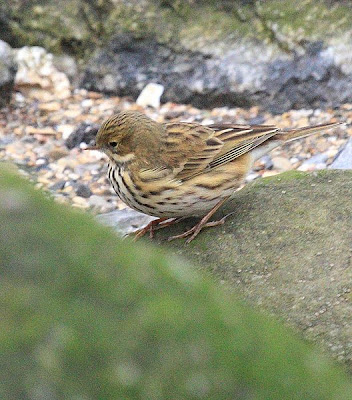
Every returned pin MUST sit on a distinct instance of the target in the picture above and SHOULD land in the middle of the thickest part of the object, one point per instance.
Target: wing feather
(191, 149)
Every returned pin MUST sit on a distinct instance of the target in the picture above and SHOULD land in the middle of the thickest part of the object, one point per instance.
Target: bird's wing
(191, 149)
(239, 140)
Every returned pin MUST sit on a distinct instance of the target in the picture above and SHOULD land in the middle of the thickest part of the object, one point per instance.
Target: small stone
(266, 162)
(31, 130)
(281, 163)
(57, 153)
(84, 133)
(150, 95)
(98, 202)
(83, 190)
(65, 130)
(269, 173)
(87, 103)
(41, 161)
(57, 186)
(80, 202)
(94, 95)
(250, 177)
(73, 176)
(49, 107)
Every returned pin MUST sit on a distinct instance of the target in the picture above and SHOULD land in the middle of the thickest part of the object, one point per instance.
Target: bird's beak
(95, 147)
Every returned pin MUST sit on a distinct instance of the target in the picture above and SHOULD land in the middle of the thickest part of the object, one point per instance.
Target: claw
(203, 223)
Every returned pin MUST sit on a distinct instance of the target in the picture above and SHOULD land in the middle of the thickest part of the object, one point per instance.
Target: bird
(184, 169)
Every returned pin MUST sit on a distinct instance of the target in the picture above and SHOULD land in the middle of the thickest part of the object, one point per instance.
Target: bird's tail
(306, 131)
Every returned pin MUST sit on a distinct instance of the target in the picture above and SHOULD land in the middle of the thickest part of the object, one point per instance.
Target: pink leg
(203, 223)
(155, 225)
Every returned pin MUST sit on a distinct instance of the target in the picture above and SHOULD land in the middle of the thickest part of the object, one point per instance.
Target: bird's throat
(122, 159)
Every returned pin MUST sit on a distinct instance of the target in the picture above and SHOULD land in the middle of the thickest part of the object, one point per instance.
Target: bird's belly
(191, 198)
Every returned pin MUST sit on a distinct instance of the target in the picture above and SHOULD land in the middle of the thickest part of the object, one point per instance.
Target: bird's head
(123, 135)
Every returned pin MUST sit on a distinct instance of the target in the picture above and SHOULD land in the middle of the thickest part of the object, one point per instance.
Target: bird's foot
(154, 225)
(203, 223)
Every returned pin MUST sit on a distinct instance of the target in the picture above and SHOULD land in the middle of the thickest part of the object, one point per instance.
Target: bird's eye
(113, 144)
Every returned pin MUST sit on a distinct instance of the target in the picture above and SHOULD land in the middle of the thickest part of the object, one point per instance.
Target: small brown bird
(182, 169)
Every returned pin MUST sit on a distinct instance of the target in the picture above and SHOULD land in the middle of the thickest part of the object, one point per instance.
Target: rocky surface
(244, 76)
(8, 70)
(208, 54)
(37, 77)
(286, 249)
(132, 321)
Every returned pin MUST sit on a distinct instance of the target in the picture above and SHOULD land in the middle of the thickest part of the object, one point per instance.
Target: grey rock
(67, 65)
(57, 186)
(267, 162)
(4, 141)
(8, 70)
(85, 133)
(343, 160)
(249, 74)
(83, 190)
(124, 221)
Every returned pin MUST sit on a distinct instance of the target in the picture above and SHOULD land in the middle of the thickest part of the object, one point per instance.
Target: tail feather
(306, 131)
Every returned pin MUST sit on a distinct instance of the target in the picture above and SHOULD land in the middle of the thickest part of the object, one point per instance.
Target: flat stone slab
(124, 221)
(344, 158)
(288, 250)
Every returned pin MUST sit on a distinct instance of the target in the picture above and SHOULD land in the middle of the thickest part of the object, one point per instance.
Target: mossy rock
(206, 26)
(287, 249)
(87, 316)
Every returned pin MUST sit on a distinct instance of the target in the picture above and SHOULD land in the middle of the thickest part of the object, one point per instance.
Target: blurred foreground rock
(288, 250)
(87, 316)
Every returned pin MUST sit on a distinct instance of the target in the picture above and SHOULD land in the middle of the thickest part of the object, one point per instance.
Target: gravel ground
(33, 133)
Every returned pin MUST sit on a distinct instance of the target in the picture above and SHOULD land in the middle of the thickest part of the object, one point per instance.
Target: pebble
(31, 130)
(59, 185)
(281, 163)
(57, 152)
(80, 202)
(98, 202)
(83, 190)
(65, 130)
(150, 95)
(52, 106)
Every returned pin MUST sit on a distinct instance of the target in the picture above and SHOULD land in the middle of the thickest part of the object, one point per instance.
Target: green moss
(85, 315)
(312, 20)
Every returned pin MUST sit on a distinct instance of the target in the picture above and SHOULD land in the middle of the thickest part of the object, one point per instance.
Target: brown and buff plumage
(182, 169)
